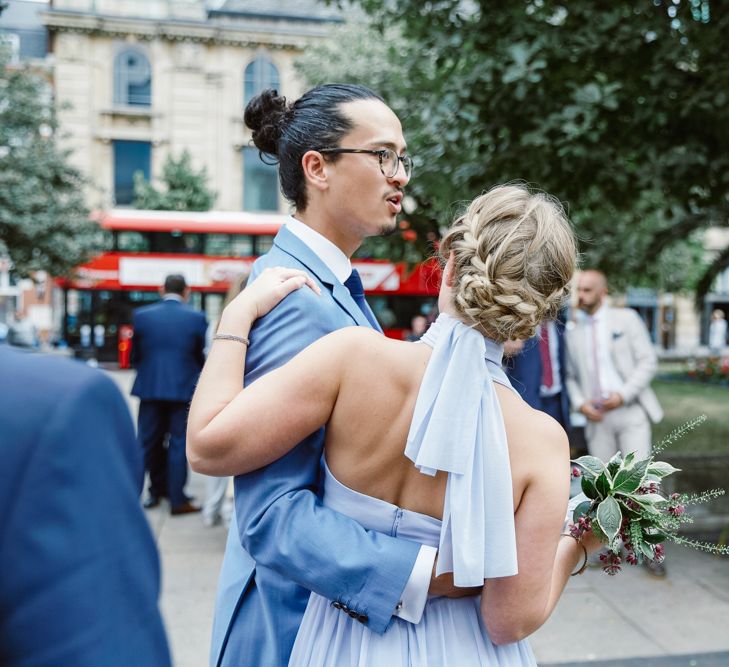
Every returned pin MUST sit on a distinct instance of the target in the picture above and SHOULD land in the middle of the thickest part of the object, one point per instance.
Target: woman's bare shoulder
(366, 351)
(532, 431)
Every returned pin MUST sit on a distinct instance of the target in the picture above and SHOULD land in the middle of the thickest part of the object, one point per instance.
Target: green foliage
(44, 223)
(626, 502)
(184, 189)
(618, 109)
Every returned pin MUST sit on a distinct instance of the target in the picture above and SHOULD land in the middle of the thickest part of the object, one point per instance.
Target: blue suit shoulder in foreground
(81, 579)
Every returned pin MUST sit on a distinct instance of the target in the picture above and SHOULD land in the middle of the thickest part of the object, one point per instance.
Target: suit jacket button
(352, 613)
(363, 618)
(336, 604)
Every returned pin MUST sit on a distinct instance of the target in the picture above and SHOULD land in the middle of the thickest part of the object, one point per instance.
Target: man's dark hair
(175, 284)
(284, 132)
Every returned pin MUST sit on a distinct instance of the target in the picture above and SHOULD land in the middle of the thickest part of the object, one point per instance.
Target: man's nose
(401, 179)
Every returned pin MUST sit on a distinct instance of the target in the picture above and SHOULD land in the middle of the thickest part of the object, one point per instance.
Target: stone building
(138, 80)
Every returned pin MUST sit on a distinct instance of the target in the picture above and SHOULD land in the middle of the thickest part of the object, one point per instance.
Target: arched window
(132, 79)
(260, 74)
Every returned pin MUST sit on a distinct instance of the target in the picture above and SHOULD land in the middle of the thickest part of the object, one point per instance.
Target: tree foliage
(44, 223)
(183, 188)
(618, 109)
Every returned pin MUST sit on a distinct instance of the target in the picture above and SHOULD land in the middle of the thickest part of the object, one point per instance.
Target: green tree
(183, 188)
(44, 223)
(618, 109)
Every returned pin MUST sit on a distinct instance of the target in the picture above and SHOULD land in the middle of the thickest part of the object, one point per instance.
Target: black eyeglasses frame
(406, 160)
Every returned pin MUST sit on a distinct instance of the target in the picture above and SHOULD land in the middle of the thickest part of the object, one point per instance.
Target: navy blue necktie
(356, 290)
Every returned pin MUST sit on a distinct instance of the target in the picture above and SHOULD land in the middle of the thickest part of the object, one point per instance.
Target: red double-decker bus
(209, 249)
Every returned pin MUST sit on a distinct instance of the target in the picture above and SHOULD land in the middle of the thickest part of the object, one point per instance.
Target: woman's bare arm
(232, 429)
(514, 607)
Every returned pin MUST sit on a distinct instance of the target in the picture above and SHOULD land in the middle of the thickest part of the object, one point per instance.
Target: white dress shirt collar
(172, 297)
(334, 259)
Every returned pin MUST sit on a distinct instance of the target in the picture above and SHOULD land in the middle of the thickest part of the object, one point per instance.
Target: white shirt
(610, 380)
(415, 593)
(334, 259)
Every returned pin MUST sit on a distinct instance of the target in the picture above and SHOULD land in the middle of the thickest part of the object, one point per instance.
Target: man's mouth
(395, 202)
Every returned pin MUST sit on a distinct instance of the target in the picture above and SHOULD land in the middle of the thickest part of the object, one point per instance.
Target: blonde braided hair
(514, 255)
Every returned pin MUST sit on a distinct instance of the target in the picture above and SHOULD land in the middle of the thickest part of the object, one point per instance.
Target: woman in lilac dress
(424, 440)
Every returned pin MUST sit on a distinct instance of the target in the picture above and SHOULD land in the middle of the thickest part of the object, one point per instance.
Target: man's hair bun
(266, 115)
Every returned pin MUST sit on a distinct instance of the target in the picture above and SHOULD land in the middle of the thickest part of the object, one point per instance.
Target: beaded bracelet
(238, 339)
(584, 549)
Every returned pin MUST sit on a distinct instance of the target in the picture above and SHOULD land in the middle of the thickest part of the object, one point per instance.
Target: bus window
(218, 245)
(176, 242)
(241, 245)
(128, 241)
(263, 244)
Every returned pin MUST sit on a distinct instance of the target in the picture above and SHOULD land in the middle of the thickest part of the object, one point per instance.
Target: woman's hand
(265, 292)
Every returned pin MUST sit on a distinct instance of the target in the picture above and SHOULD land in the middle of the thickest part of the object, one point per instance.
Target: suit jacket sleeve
(83, 569)
(283, 524)
(644, 360)
(572, 373)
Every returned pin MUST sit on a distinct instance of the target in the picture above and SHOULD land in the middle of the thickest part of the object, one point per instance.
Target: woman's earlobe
(450, 270)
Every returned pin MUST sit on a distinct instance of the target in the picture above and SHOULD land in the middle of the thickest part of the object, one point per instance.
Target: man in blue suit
(342, 163)
(80, 572)
(537, 372)
(168, 353)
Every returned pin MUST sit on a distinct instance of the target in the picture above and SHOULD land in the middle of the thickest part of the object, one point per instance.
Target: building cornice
(256, 36)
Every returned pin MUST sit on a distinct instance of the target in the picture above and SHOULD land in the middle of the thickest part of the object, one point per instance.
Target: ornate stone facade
(196, 57)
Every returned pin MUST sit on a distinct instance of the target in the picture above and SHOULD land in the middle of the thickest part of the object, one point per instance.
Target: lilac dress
(457, 427)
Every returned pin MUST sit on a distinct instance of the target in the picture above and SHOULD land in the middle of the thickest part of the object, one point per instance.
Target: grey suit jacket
(632, 353)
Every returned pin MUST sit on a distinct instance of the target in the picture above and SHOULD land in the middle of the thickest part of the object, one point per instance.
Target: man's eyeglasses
(389, 159)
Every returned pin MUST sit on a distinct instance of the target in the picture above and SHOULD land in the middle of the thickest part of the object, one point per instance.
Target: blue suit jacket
(524, 371)
(80, 571)
(291, 544)
(167, 350)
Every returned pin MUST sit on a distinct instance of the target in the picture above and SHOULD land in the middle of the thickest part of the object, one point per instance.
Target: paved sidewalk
(624, 621)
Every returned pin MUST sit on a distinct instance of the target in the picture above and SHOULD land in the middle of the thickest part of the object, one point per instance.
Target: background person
(168, 354)
(418, 326)
(537, 371)
(717, 332)
(81, 578)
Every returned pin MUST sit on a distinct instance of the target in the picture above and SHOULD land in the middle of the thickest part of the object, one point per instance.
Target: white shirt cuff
(415, 593)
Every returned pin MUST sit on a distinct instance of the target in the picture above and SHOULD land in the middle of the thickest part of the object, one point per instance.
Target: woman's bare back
(368, 428)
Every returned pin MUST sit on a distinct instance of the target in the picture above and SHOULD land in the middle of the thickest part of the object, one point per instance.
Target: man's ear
(315, 170)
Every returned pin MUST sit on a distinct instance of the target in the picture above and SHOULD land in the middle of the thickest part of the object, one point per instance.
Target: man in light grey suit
(610, 365)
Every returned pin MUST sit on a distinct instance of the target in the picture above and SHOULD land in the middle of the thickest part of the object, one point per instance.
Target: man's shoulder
(43, 382)
(276, 256)
(624, 315)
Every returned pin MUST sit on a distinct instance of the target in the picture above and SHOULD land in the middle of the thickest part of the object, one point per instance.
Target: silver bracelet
(237, 339)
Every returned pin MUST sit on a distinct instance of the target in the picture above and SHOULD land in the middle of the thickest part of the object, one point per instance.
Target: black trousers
(163, 423)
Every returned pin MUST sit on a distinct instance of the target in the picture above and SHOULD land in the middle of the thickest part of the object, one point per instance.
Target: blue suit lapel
(292, 245)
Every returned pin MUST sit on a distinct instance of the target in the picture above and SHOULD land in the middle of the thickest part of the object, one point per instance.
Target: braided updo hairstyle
(283, 132)
(514, 255)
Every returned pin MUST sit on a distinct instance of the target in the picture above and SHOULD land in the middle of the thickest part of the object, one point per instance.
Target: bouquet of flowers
(626, 505)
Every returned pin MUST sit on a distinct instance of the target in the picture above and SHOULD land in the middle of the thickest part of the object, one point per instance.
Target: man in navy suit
(537, 372)
(168, 353)
(80, 571)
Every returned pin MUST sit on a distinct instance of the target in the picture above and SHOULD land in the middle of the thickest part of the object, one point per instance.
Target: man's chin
(388, 228)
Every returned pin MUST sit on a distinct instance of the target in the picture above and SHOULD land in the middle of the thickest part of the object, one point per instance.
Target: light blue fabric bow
(458, 428)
